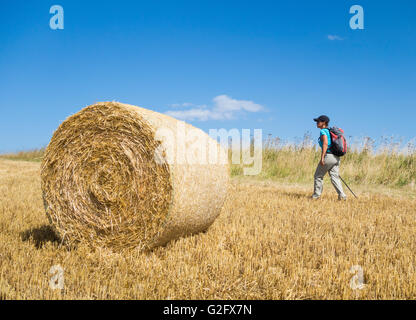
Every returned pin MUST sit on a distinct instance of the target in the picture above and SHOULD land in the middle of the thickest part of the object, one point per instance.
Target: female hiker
(329, 162)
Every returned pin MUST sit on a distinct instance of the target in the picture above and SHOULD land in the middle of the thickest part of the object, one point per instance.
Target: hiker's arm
(324, 148)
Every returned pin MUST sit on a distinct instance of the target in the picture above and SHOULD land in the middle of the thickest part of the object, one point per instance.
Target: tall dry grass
(361, 165)
(34, 155)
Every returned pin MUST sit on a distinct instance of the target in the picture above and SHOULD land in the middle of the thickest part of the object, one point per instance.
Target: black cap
(322, 118)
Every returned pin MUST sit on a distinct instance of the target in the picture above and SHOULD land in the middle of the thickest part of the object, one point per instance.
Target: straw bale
(122, 176)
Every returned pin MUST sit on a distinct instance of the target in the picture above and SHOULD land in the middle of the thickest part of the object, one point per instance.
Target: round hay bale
(121, 176)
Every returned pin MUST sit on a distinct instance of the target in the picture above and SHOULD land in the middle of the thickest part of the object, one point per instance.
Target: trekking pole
(348, 187)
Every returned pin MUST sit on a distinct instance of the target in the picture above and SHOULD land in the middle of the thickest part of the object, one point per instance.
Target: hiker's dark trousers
(332, 166)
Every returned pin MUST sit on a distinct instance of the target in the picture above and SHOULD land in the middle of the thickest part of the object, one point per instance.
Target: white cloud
(225, 103)
(224, 108)
(334, 37)
(184, 105)
(192, 114)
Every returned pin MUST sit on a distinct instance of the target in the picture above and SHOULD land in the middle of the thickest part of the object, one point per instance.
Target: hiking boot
(315, 197)
(342, 198)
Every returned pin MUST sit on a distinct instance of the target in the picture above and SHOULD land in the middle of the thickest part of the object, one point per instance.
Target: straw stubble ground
(270, 242)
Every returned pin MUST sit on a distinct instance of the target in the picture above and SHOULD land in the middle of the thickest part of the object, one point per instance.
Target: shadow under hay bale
(110, 178)
(40, 235)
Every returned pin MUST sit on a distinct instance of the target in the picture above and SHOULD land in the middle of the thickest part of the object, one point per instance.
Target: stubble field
(270, 242)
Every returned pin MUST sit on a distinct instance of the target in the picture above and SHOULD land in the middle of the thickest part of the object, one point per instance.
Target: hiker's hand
(322, 162)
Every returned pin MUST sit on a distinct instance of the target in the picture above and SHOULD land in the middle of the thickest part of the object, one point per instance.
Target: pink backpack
(338, 141)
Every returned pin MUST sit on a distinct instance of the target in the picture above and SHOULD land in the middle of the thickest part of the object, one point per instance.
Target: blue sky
(221, 64)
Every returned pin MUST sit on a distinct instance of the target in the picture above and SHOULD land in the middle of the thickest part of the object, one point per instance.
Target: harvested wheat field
(269, 242)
